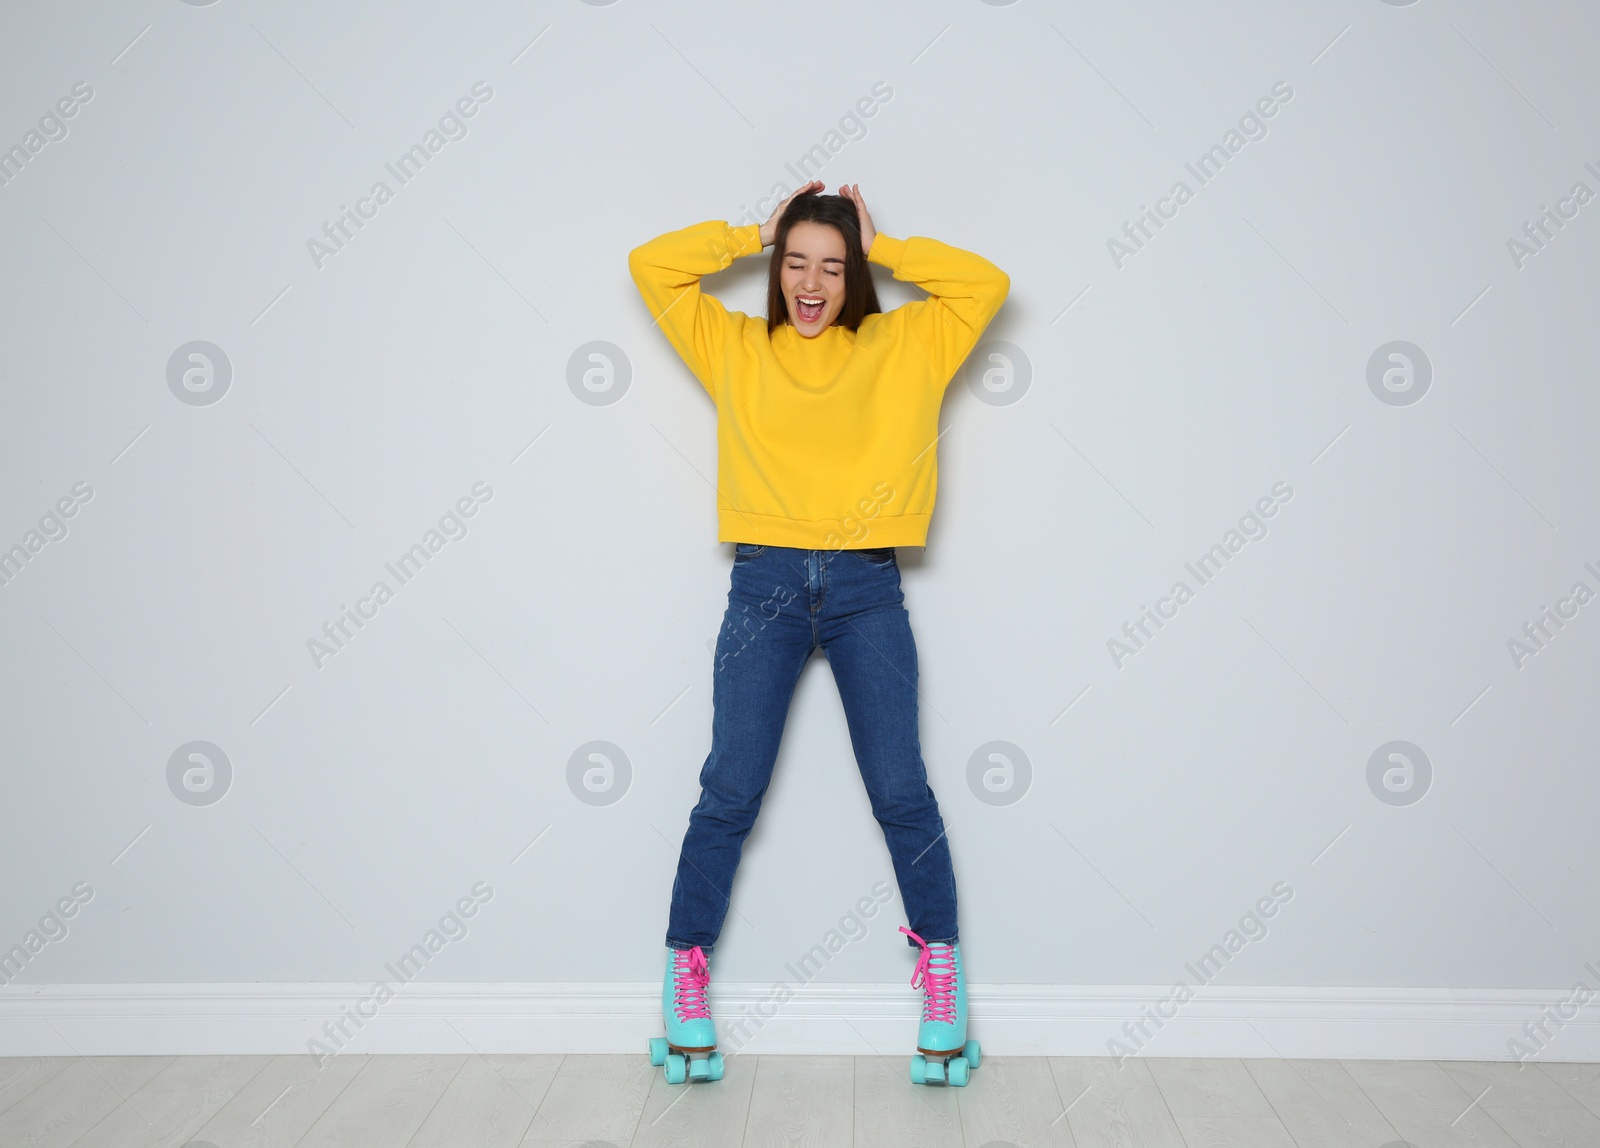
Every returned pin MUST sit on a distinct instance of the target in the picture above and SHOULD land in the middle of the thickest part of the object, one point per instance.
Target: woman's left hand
(852, 192)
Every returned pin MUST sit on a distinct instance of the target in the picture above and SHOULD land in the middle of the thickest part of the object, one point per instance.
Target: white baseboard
(851, 1019)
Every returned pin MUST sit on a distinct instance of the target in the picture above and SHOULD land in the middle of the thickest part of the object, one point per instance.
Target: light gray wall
(1167, 392)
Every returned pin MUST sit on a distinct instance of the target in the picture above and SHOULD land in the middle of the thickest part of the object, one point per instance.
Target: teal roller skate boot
(689, 1050)
(944, 1054)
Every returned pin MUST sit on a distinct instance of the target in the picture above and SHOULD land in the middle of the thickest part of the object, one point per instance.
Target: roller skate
(689, 1050)
(944, 1054)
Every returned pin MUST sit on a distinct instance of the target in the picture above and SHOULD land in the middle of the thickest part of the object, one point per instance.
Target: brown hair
(839, 213)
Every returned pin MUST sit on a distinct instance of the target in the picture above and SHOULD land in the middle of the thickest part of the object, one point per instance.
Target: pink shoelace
(936, 975)
(690, 976)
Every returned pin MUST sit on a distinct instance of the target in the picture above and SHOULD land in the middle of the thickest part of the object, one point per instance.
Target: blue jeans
(783, 603)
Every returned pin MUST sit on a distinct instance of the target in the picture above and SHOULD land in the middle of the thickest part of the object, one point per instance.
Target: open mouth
(809, 308)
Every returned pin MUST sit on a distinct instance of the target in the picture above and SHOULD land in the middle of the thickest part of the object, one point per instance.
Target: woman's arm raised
(667, 270)
(965, 289)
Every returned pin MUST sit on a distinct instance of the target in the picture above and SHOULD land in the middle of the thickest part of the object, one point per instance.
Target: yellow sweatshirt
(824, 443)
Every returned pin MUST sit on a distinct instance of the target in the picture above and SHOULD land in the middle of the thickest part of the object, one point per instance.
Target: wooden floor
(772, 1101)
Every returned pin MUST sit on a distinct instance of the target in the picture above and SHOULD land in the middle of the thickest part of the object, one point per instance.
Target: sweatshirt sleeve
(667, 271)
(965, 292)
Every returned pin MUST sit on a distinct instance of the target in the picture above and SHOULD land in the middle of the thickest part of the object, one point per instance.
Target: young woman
(827, 420)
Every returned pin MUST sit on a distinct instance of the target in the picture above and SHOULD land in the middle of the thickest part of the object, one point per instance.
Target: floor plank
(1549, 1127)
(802, 1102)
(174, 1103)
(1234, 1132)
(707, 1114)
(1579, 1081)
(1013, 1099)
(386, 1103)
(1509, 1085)
(1319, 1103)
(281, 1103)
(1114, 1104)
(1424, 1105)
(20, 1075)
(206, 1073)
(892, 1111)
(594, 1097)
(63, 1108)
(1208, 1087)
(489, 1104)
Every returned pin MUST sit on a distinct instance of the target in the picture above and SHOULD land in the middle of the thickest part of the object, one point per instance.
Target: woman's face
(812, 277)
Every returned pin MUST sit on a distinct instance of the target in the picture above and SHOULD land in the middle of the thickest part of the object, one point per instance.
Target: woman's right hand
(769, 229)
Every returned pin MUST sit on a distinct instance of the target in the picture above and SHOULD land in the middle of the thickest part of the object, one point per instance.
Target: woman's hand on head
(769, 229)
(852, 192)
